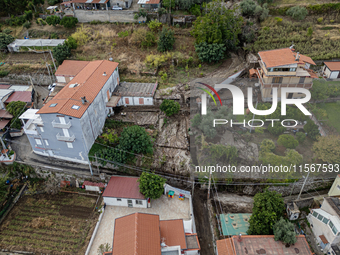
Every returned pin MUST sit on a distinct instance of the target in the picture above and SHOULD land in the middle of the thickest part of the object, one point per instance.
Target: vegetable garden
(60, 224)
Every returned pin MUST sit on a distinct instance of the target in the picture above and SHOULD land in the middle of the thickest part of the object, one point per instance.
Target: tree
(248, 7)
(327, 148)
(300, 137)
(312, 129)
(210, 52)
(284, 231)
(151, 185)
(319, 90)
(155, 25)
(135, 139)
(13, 7)
(16, 108)
(5, 39)
(267, 145)
(297, 12)
(268, 209)
(71, 43)
(69, 22)
(169, 4)
(287, 141)
(53, 20)
(166, 40)
(276, 129)
(170, 107)
(61, 52)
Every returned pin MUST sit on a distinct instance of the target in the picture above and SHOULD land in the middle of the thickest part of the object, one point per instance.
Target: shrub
(7, 31)
(259, 130)
(278, 20)
(81, 36)
(170, 107)
(69, 22)
(195, 10)
(61, 52)
(154, 25)
(300, 137)
(141, 37)
(123, 34)
(276, 129)
(135, 139)
(267, 145)
(151, 185)
(312, 129)
(248, 7)
(71, 43)
(161, 11)
(166, 40)
(319, 20)
(28, 15)
(27, 24)
(297, 12)
(288, 141)
(309, 31)
(53, 20)
(332, 21)
(52, 2)
(210, 52)
(3, 73)
(5, 39)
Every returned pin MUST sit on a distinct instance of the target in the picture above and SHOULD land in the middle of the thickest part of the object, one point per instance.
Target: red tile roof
(71, 67)
(90, 81)
(172, 233)
(5, 114)
(333, 65)
(251, 244)
(87, 183)
(23, 96)
(123, 187)
(3, 123)
(281, 57)
(153, 2)
(137, 233)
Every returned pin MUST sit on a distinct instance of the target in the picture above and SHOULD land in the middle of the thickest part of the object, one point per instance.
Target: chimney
(297, 57)
(104, 74)
(83, 100)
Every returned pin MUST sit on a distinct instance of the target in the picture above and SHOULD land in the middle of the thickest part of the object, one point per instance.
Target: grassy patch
(94, 149)
(332, 110)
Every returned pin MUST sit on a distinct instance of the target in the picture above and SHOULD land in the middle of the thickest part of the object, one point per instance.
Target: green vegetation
(170, 107)
(16, 108)
(53, 20)
(327, 148)
(210, 52)
(251, 8)
(5, 39)
(297, 12)
(71, 43)
(151, 185)
(155, 25)
(268, 209)
(332, 110)
(61, 52)
(143, 38)
(69, 22)
(284, 231)
(312, 129)
(287, 141)
(301, 137)
(166, 40)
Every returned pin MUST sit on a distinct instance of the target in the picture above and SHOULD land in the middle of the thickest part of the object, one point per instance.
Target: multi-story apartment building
(67, 125)
(284, 68)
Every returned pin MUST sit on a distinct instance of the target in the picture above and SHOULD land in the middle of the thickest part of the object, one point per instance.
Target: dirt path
(202, 222)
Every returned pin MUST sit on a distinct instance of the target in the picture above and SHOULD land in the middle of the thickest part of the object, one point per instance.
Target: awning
(113, 101)
(51, 7)
(3, 123)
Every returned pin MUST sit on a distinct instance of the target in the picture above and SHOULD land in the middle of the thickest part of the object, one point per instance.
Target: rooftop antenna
(83, 100)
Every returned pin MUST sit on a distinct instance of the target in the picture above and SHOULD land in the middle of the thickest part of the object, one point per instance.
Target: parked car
(52, 86)
(117, 8)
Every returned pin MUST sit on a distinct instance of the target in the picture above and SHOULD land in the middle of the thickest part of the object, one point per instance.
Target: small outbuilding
(331, 70)
(124, 191)
(93, 186)
(293, 211)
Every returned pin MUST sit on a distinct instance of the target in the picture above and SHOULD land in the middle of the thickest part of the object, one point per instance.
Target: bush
(166, 40)
(123, 34)
(27, 25)
(320, 20)
(288, 141)
(300, 137)
(248, 7)
(28, 15)
(297, 12)
(143, 38)
(151, 185)
(195, 10)
(53, 20)
(5, 39)
(52, 2)
(61, 52)
(312, 129)
(309, 31)
(161, 11)
(170, 107)
(277, 129)
(259, 130)
(3, 73)
(71, 43)
(69, 22)
(267, 145)
(135, 139)
(210, 52)
(7, 31)
(154, 25)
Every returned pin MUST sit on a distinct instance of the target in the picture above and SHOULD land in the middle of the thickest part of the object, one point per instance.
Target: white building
(325, 224)
(331, 69)
(124, 191)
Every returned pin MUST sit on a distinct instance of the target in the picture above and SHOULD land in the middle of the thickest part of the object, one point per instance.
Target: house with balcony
(67, 125)
(325, 224)
(284, 68)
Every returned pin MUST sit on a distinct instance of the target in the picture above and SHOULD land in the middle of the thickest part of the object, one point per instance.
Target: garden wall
(111, 16)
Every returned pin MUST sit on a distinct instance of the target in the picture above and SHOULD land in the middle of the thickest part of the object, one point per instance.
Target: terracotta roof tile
(137, 233)
(281, 57)
(333, 65)
(5, 114)
(225, 247)
(90, 81)
(71, 67)
(3, 123)
(123, 187)
(173, 233)
(153, 2)
(23, 96)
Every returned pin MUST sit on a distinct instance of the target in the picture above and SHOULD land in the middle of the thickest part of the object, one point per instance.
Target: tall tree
(268, 209)
(151, 185)
(135, 139)
(284, 231)
(16, 108)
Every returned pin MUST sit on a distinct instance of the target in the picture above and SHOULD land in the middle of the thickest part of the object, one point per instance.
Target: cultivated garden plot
(59, 224)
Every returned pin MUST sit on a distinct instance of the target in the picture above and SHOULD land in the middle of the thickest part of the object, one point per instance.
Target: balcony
(65, 138)
(60, 125)
(30, 128)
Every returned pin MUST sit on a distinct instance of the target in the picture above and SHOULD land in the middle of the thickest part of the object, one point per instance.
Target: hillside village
(159, 127)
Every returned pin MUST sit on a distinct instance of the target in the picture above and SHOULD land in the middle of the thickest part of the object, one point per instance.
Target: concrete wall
(135, 101)
(121, 3)
(304, 202)
(124, 202)
(110, 15)
(92, 188)
(328, 208)
(335, 189)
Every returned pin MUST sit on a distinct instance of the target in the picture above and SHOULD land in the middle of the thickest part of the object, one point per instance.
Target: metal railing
(65, 138)
(61, 125)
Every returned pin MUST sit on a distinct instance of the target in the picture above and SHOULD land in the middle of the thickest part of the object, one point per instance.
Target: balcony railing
(65, 138)
(61, 125)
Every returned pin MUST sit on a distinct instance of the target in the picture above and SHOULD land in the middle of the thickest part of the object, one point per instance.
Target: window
(315, 214)
(41, 129)
(46, 142)
(139, 202)
(38, 141)
(302, 80)
(292, 69)
(334, 230)
(331, 224)
(277, 80)
(53, 105)
(75, 107)
(69, 145)
(118, 200)
(325, 220)
(320, 217)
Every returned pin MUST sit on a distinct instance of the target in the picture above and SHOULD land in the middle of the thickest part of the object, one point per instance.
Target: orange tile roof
(137, 233)
(333, 65)
(312, 74)
(71, 67)
(281, 57)
(91, 80)
(172, 233)
(225, 247)
(153, 2)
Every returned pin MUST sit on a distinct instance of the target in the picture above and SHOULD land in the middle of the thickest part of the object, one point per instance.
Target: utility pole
(49, 73)
(303, 186)
(209, 186)
(55, 68)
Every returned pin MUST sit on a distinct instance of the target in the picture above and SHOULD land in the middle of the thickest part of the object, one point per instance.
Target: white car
(52, 86)
(117, 8)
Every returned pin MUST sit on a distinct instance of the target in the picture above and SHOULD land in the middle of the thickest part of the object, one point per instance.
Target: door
(141, 101)
(290, 95)
(130, 203)
(339, 75)
(126, 100)
(127, 4)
